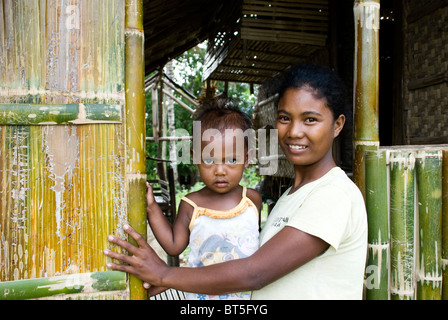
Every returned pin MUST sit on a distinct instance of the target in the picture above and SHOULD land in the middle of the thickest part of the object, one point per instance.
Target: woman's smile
(296, 147)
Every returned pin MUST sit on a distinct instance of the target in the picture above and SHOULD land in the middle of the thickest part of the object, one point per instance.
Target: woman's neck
(310, 173)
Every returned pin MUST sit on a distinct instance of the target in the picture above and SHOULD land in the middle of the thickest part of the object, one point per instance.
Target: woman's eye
(310, 120)
(207, 161)
(282, 118)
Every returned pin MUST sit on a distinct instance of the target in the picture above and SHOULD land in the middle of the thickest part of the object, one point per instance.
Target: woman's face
(306, 127)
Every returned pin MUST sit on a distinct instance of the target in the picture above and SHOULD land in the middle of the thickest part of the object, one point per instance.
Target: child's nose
(220, 170)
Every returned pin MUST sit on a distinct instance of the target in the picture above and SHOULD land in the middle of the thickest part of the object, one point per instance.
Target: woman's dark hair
(323, 82)
(220, 113)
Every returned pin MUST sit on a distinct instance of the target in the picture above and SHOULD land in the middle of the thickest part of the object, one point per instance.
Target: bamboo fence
(402, 204)
(378, 222)
(406, 200)
(69, 140)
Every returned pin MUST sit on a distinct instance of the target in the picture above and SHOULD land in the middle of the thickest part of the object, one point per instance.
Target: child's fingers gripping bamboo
(150, 200)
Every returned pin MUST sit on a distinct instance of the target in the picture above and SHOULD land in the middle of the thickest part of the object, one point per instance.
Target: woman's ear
(339, 125)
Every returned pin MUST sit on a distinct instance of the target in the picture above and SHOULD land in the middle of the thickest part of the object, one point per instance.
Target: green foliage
(250, 177)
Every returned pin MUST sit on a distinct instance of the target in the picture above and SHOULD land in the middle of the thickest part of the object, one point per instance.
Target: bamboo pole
(429, 258)
(180, 102)
(52, 114)
(402, 166)
(377, 271)
(81, 283)
(366, 75)
(135, 127)
(445, 224)
(171, 84)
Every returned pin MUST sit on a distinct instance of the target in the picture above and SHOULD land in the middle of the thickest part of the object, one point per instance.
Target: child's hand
(150, 200)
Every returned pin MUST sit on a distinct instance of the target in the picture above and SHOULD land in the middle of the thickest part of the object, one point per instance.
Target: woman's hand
(143, 261)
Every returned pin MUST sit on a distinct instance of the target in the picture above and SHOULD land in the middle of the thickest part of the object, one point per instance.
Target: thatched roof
(174, 26)
(249, 40)
(265, 38)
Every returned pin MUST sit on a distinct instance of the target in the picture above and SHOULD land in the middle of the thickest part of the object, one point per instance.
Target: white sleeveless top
(222, 235)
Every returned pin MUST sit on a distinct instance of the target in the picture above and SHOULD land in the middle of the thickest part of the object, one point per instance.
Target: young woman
(314, 244)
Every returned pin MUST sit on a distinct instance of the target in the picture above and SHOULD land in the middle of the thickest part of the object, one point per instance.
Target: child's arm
(173, 239)
(255, 197)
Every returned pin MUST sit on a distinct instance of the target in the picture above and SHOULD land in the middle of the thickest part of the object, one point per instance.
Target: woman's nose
(296, 130)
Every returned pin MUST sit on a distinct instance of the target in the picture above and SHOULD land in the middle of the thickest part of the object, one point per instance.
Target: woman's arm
(173, 239)
(285, 252)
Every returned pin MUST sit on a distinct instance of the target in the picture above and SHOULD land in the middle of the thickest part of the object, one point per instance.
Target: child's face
(223, 161)
(306, 127)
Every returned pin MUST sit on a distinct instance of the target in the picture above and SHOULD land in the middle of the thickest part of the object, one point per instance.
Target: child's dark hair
(220, 113)
(323, 82)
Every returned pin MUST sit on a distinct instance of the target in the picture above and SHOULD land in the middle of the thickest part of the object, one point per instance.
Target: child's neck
(220, 201)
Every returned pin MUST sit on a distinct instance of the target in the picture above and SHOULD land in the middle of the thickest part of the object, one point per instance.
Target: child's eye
(231, 161)
(208, 161)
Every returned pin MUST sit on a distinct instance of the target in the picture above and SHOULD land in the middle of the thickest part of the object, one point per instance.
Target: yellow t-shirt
(331, 208)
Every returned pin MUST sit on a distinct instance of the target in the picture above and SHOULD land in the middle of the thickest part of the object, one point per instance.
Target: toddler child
(220, 222)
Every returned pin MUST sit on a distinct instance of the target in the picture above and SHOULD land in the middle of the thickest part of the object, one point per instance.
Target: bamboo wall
(62, 166)
(406, 192)
(425, 71)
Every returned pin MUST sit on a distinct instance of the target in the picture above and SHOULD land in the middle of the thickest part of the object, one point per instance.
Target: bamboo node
(135, 176)
(366, 143)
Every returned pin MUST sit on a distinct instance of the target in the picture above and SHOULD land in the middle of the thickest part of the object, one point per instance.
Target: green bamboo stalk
(445, 224)
(135, 127)
(66, 284)
(377, 271)
(402, 166)
(429, 188)
(45, 114)
(366, 85)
